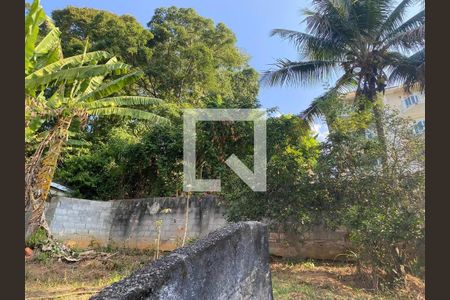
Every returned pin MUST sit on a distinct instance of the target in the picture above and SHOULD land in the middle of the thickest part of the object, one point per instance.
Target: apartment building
(410, 105)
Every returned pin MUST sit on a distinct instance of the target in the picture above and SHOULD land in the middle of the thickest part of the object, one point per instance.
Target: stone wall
(132, 223)
(230, 263)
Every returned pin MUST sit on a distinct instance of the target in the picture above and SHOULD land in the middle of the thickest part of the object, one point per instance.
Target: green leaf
(112, 86)
(298, 73)
(89, 86)
(33, 20)
(129, 112)
(76, 73)
(35, 123)
(70, 61)
(52, 56)
(123, 101)
(49, 42)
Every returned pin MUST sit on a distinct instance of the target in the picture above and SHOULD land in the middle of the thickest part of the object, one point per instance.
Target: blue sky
(250, 20)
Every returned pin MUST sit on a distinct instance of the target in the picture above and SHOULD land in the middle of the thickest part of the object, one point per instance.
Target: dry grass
(50, 279)
(325, 280)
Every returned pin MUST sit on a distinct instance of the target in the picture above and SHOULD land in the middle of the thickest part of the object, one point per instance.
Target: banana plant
(58, 90)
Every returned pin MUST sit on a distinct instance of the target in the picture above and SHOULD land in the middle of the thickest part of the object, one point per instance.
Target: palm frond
(414, 38)
(70, 61)
(314, 110)
(370, 15)
(34, 18)
(414, 22)
(123, 101)
(77, 73)
(298, 73)
(328, 23)
(129, 112)
(113, 86)
(344, 84)
(395, 19)
(410, 71)
(49, 42)
(314, 47)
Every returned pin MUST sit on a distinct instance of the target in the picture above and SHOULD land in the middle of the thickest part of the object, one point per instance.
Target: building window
(419, 127)
(411, 100)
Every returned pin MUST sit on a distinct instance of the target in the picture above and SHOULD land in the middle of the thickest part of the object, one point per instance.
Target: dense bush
(346, 183)
(292, 154)
(382, 204)
(188, 62)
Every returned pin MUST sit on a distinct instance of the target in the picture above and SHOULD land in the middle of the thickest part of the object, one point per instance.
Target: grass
(331, 280)
(51, 279)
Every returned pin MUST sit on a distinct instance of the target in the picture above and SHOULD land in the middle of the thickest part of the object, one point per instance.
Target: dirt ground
(47, 278)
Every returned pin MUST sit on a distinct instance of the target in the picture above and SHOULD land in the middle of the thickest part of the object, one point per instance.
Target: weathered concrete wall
(318, 243)
(79, 221)
(230, 263)
(132, 223)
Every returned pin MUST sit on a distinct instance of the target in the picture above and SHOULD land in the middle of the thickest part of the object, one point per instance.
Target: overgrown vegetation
(60, 91)
(331, 280)
(381, 204)
(374, 188)
(290, 280)
(81, 131)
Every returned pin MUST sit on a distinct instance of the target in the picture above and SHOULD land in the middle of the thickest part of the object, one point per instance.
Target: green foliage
(72, 87)
(42, 257)
(37, 239)
(62, 93)
(122, 36)
(292, 154)
(190, 62)
(127, 166)
(382, 205)
(336, 31)
(343, 183)
(192, 57)
(194, 63)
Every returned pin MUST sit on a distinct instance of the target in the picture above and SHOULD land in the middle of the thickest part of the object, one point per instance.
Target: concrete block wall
(80, 221)
(132, 223)
(229, 263)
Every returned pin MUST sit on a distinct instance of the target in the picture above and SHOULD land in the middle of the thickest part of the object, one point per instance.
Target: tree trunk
(41, 177)
(379, 126)
(371, 93)
(378, 115)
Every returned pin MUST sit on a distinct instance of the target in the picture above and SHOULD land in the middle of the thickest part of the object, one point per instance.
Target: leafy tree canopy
(122, 36)
(192, 56)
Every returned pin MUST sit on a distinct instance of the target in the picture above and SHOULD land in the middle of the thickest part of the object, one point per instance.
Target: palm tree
(360, 39)
(410, 71)
(58, 90)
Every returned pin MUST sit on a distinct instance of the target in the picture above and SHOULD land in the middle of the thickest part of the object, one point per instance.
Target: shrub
(380, 203)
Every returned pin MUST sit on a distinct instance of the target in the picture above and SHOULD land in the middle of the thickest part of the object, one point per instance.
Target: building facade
(410, 104)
